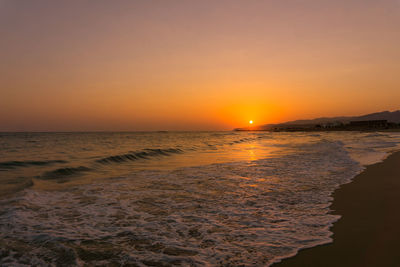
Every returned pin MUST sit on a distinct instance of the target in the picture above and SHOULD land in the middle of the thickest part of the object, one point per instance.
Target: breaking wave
(145, 154)
(232, 214)
(27, 163)
(257, 198)
(64, 172)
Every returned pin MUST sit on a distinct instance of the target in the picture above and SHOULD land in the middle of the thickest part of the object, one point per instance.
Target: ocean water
(173, 198)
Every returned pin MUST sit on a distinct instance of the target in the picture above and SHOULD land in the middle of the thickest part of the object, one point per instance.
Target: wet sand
(368, 234)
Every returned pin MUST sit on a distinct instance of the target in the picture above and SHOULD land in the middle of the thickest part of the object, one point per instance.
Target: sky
(82, 65)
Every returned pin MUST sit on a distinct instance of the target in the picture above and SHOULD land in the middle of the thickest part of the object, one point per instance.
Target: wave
(249, 139)
(64, 172)
(276, 205)
(145, 154)
(375, 135)
(16, 164)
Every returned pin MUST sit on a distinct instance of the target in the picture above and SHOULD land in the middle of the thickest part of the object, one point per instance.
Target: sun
(251, 122)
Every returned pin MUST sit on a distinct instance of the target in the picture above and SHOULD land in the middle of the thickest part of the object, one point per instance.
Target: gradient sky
(194, 65)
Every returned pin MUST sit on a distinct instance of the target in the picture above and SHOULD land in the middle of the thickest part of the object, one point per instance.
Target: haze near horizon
(194, 65)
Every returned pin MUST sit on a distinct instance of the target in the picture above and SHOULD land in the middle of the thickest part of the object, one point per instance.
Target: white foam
(247, 213)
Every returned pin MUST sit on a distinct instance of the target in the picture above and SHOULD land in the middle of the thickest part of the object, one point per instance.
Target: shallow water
(185, 198)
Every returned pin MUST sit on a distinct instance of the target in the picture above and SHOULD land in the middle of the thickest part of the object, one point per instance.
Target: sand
(368, 234)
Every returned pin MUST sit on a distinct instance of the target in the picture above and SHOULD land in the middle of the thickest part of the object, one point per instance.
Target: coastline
(390, 130)
(368, 233)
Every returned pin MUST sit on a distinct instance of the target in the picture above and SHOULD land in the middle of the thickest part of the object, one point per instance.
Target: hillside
(385, 115)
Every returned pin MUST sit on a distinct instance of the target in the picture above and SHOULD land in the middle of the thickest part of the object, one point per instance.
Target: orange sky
(194, 65)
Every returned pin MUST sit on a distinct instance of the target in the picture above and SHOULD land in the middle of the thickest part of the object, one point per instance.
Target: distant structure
(328, 125)
(370, 124)
(295, 127)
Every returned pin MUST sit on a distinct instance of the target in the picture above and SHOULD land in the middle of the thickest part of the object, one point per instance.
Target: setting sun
(138, 109)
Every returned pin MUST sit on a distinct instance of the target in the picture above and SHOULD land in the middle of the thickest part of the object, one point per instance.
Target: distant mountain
(385, 115)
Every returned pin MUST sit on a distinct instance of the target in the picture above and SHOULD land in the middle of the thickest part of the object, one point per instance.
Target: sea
(174, 198)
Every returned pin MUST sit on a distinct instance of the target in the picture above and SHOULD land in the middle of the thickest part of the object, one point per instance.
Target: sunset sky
(194, 65)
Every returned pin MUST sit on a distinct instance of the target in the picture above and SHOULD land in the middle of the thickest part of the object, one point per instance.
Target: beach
(368, 233)
(194, 198)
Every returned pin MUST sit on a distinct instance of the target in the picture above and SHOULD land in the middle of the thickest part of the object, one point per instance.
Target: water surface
(173, 198)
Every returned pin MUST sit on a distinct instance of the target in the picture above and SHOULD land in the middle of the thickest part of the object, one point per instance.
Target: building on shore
(369, 124)
(366, 125)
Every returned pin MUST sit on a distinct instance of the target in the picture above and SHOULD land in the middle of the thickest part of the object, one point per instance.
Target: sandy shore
(368, 234)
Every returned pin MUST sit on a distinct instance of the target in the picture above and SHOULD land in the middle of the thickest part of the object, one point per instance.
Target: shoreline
(368, 233)
(390, 130)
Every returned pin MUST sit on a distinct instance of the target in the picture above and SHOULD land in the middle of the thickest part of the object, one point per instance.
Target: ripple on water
(243, 213)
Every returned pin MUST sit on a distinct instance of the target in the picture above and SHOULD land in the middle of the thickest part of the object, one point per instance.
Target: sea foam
(251, 212)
